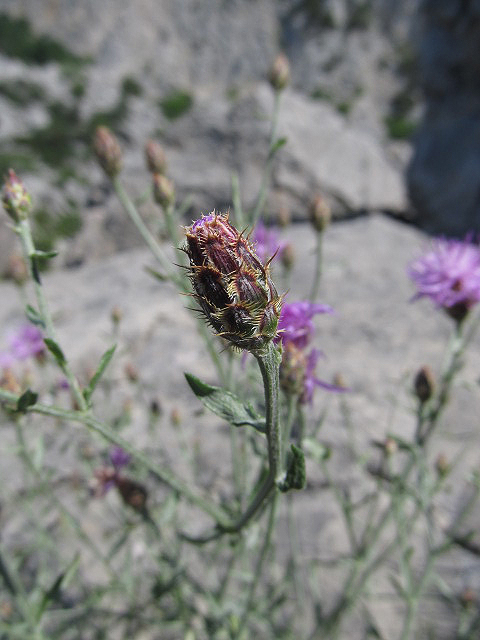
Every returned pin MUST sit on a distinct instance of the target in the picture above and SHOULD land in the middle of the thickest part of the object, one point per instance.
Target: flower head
(266, 242)
(108, 151)
(297, 371)
(25, 343)
(296, 324)
(16, 199)
(232, 286)
(118, 457)
(449, 274)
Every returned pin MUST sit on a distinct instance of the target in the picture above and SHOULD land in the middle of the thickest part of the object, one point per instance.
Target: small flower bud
(108, 151)
(284, 217)
(424, 384)
(17, 269)
(287, 257)
(232, 286)
(292, 370)
(155, 157)
(390, 447)
(133, 493)
(163, 190)
(442, 466)
(116, 315)
(320, 214)
(16, 200)
(280, 72)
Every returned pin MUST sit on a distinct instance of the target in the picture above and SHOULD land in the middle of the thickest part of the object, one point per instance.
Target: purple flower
(311, 381)
(295, 324)
(25, 343)
(449, 274)
(118, 457)
(266, 242)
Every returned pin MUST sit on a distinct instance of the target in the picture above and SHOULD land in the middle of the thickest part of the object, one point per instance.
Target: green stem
(269, 362)
(318, 267)
(161, 472)
(148, 237)
(262, 194)
(28, 248)
(259, 566)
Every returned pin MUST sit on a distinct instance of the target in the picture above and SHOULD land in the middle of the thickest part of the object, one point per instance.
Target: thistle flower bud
(16, 199)
(320, 214)
(155, 157)
(280, 72)
(424, 384)
(163, 190)
(232, 286)
(133, 493)
(108, 151)
(287, 257)
(292, 370)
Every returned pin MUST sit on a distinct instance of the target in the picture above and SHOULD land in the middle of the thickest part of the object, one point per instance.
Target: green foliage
(400, 127)
(176, 104)
(131, 87)
(48, 228)
(17, 40)
(20, 92)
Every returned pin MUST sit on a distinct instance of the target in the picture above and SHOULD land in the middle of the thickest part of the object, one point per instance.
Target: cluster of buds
(279, 75)
(163, 187)
(16, 199)
(232, 286)
(108, 151)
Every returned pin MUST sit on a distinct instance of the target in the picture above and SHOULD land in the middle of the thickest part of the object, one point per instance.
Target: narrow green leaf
(44, 254)
(104, 362)
(280, 142)
(225, 404)
(62, 581)
(156, 274)
(296, 473)
(26, 400)
(33, 315)
(55, 350)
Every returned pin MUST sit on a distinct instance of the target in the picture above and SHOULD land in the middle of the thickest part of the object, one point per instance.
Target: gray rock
(444, 176)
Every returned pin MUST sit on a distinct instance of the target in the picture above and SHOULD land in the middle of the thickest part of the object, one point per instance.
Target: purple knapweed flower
(297, 372)
(295, 324)
(25, 343)
(119, 457)
(267, 243)
(449, 274)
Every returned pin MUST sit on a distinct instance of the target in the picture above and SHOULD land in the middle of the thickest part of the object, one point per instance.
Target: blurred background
(382, 113)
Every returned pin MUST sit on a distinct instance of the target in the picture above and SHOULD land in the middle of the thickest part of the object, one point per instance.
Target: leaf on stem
(34, 317)
(26, 400)
(280, 142)
(296, 477)
(225, 404)
(104, 362)
(55, 350)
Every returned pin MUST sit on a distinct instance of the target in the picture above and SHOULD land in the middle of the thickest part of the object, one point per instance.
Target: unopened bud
(116, 315)
(108, 151)
(16, 200)
(232, 286)
(133, 493)
(292, 370)
(280, 72)
(287, 257)
(284, 217)
(442, 465)
(424, 384)
(163, 190)
(390, 447)
(320, 214)
(155, 157)
(17, 269)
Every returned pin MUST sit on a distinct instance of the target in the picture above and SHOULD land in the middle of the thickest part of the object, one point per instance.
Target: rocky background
(381, 91)
(382, 117)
